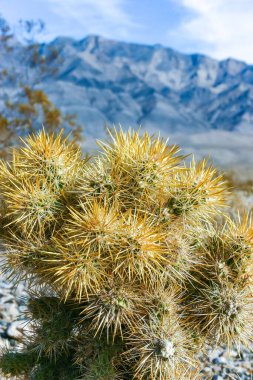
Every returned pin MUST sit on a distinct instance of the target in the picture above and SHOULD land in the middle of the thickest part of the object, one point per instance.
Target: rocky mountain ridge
(109, 82)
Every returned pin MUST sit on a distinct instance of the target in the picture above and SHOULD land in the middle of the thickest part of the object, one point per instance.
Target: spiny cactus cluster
(132, 265)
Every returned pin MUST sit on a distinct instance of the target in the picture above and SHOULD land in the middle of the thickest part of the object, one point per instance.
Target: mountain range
(202, 103)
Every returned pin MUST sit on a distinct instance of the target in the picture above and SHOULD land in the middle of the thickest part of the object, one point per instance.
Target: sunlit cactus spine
(132, 265)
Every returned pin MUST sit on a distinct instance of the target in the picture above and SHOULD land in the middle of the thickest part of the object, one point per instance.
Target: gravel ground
(217, 364)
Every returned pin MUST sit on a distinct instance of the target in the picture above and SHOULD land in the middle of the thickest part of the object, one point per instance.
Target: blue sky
(219, 28)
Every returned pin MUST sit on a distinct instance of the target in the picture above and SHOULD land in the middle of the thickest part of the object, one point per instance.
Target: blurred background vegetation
(30, 108)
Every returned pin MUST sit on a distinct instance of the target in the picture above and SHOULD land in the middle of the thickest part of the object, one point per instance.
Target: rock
(5, 285)
(221, 360)
(13, 311)
(15, 329)
(206, 370)
(214, 354)
(7, 299)
(22, 309)
(20, 293)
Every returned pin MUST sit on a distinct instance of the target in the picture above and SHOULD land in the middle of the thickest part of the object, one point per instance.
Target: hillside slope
(181, 95)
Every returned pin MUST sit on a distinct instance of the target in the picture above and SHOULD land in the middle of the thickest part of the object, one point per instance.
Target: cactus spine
(132, 264)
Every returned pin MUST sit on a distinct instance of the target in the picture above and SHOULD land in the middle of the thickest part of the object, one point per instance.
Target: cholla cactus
(131, 265)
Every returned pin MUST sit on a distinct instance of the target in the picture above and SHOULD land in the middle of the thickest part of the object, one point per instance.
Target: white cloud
(221, 28)
(105, 17)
